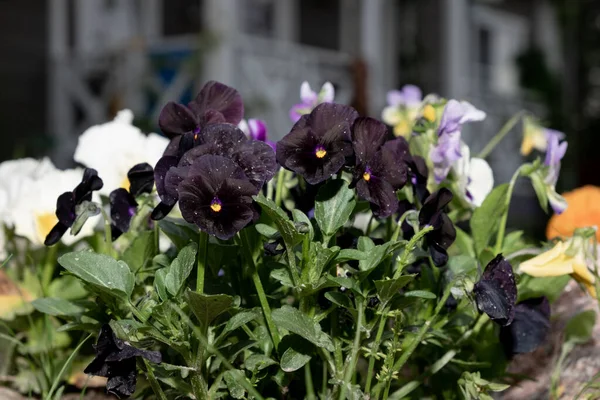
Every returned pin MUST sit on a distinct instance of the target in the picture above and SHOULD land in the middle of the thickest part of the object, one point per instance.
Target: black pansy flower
(443, 234)
(67, 202)
(318, 144)
(529, 327)
(496, 291)
(215, 103)
(216, 195)
(418, 175)
(255, 158)
(123, 205)
(379, 172)
(115, 360)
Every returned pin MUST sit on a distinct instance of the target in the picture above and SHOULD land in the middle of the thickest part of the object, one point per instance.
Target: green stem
(64, 367)
(505, 130)
(370, 225)
(262, 297)
(410, 246)
(154, 382)
(310, 388)
(351, 366)
(502, 228)
(108, 247)
(396, 233)
(202, 255)
(49, 266)
(375, 348)
(279, 190)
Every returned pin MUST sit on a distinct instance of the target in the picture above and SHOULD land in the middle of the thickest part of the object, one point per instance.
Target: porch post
(372, 38)
(221, 21)
(457, 45)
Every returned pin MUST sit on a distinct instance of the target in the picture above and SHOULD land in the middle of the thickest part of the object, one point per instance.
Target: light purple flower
(448, 149)
(554, 154)
(256, 129)
(409, 95)
(310, 99)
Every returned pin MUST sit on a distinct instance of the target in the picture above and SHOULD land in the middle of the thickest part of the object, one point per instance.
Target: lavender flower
(556, 151)
(536, 136)
(448, 149)
(256, 129)
(311, 99)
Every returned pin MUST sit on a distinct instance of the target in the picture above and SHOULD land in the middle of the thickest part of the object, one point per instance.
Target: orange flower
(583, 211)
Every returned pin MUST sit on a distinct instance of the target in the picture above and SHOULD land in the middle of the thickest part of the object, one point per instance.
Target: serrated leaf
(286, 227)
(386, 289)
(333, 206)
(422, 294)
(100, 271)
(486, 219)
(180, 232)
(180, 269)
(291, 319)
(141, 251)
(206, 307)
(160, 285)
(55, 306)
(257, 362)
(292, 360)
(241, 318)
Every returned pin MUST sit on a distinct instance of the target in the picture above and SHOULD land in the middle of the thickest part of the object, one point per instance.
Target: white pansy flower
(34, 215)
(114, 147)
(15, 176)
(475, 177)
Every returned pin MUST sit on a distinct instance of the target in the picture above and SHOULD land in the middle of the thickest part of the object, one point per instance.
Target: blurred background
(69, 64)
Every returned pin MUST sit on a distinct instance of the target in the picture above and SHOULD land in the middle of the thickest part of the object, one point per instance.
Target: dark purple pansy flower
(141, 179)
(529, 327)
(379, 172)
(216, 195)
(67, 202)
(443, 234)
(496, 291)
(255, 158)
(115, 360)
(122, 209)
(215, 103)
(319, 143)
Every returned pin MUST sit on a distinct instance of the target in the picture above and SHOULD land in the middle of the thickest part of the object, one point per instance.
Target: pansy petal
(122, 209)
(481, 180)
(307, 96)
(160, 172)
(471, 113)
(257, 129)
(496, 291)
(529, 328)
(380, 194)
(221, 98)
(56, 233)
(368, 135)
(395, 98)
(412, 95)
(327, 93)
(392, 116)
(332, 122)
(434, 203)
(176, 119)
(141, 179)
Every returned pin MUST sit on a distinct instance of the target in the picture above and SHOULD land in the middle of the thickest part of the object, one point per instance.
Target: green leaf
(486, 219)
(141, 251)
(580, 328)
(539, 186)
(160, 277)
(318, 258)
(301, 218)
(283, 276)
(463, 243)
(266, 230)
(206, 307)
(67, 287)
(180, 269)
(549, 286)
(179, 231)
(349, 254)
(339, 299)
(347, 283)
(232, 380)
(386, 289)
(256, 362)
(422, 294)
(292, 360)
(375, 256)
(100, 271)
(242, 318)
(333, 205)
(286, 227)
(293, 320)
(55, 306)
(513, 242)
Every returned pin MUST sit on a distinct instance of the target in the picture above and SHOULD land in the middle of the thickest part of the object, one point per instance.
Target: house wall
(22, 76)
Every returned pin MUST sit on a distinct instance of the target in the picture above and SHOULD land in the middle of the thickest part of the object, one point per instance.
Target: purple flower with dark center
(215, 103)
(380, 169)
(496, 291)
(255, 158)
(443, 234)
(115, 360)
(256, 129)
(318, 144)
(216, 195)
(529, 327)
(67, 202)
(447, 151)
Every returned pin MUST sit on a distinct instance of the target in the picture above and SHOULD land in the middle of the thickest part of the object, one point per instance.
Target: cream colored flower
(33, 215)
(114, 147)
(564, 258)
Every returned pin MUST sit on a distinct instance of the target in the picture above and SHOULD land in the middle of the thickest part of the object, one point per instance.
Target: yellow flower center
(367, 176)
(403, 128)
(125, 183)
(45, 222)
(321, 152)
(216, 206)
(429, 113)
